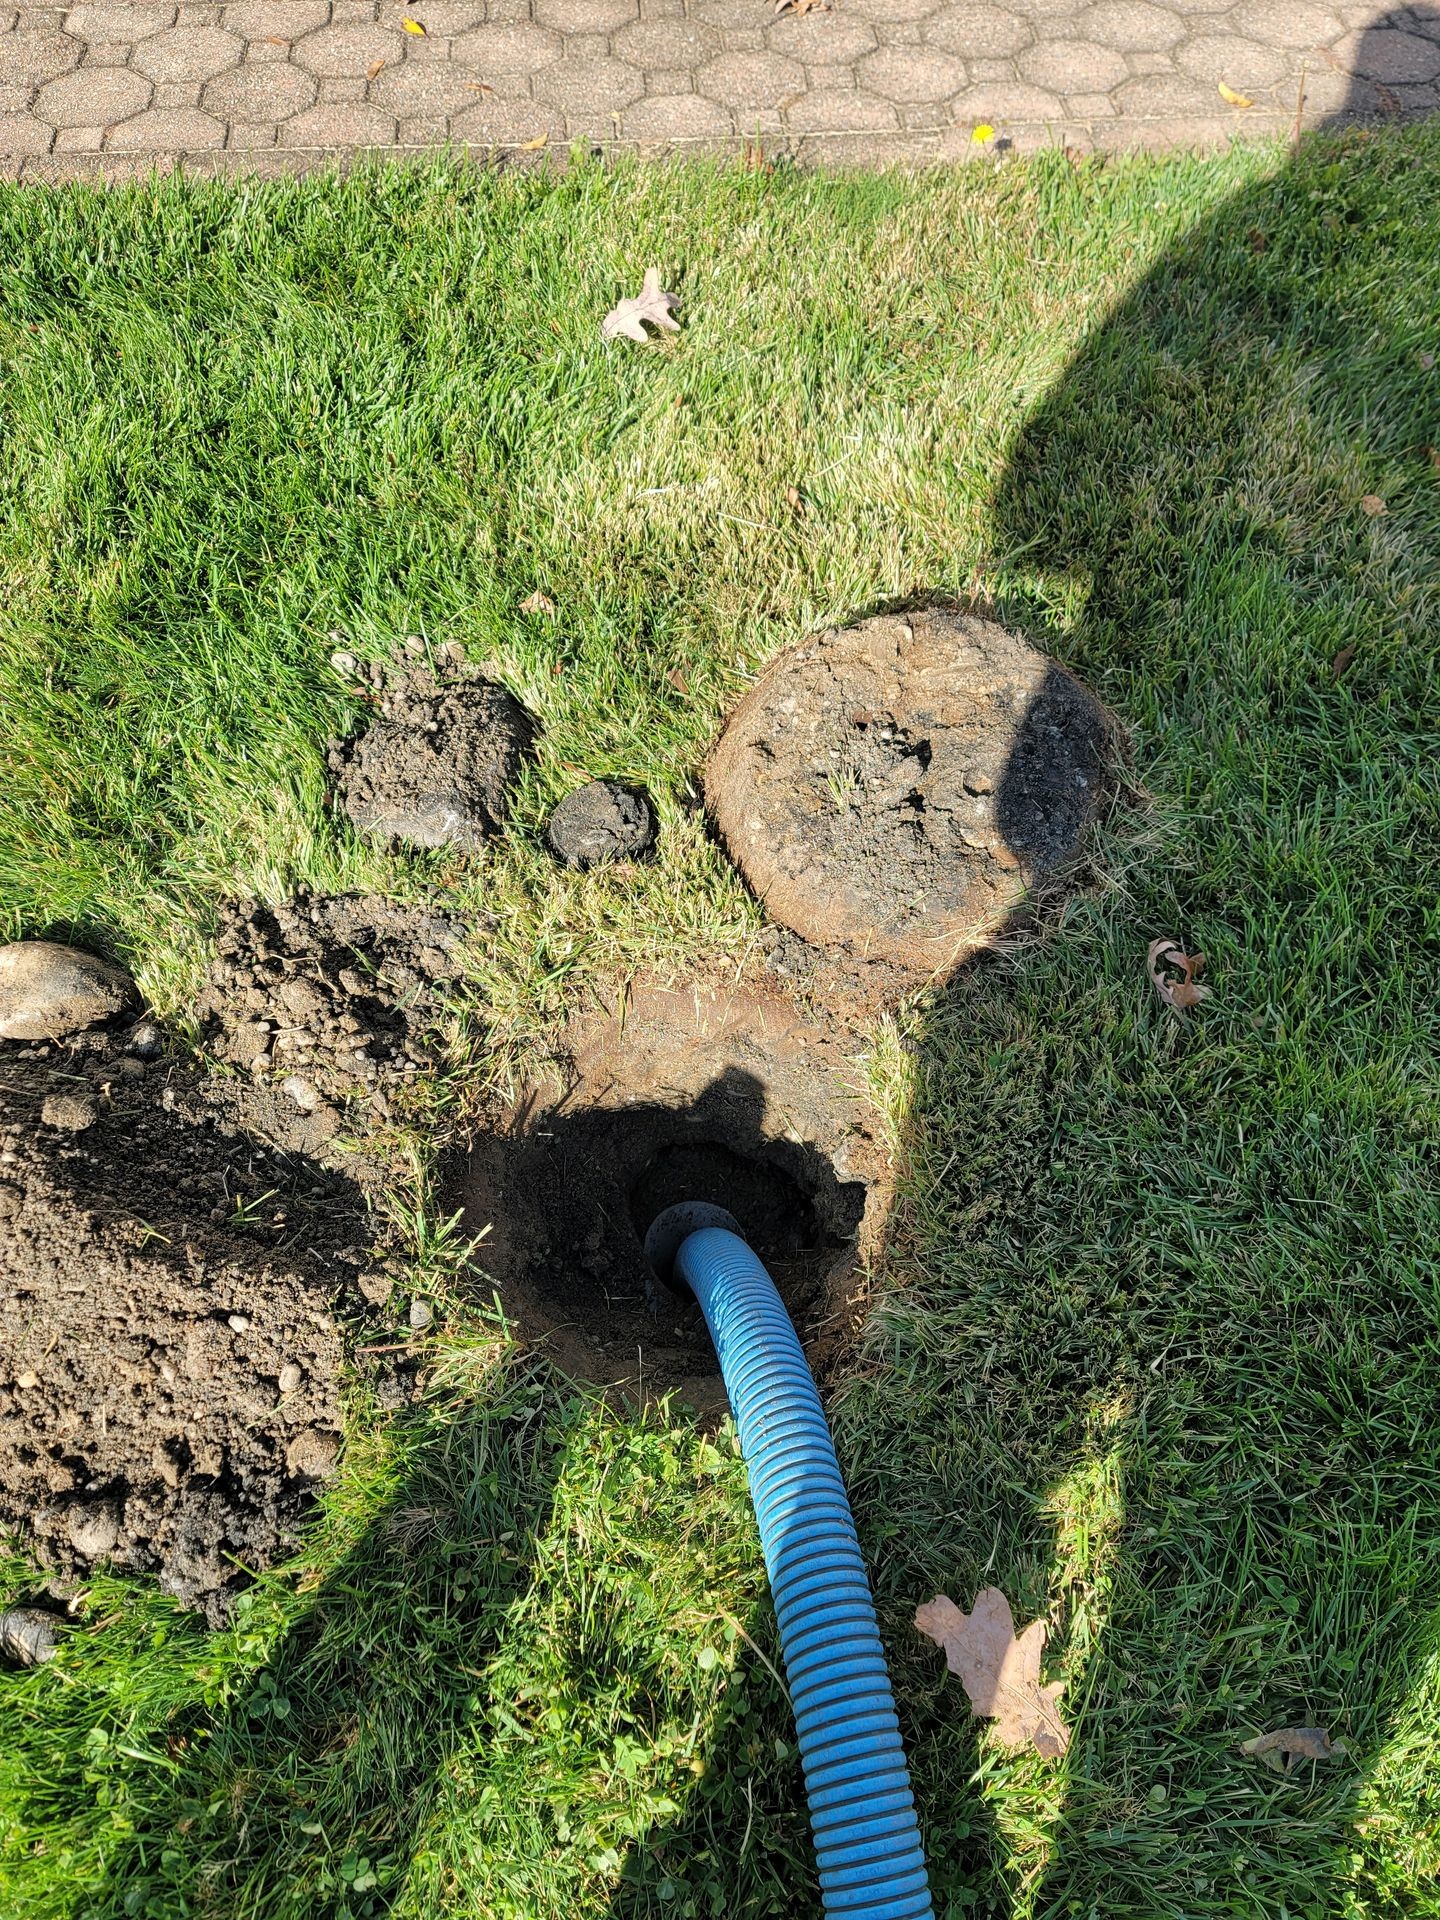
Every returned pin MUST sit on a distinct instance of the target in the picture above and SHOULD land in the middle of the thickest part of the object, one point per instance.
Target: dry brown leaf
(1280, 1751)
(651, 304)
(479, 86)
(534, 146)
(1432, 454)
(276, 40)
(1372, 504)
(1389, 101)
(373, 69)
(1000, 1669)
(1182, 993)
(802, 6)
(1342, 660)
(1426, 359)
(1234, 99)
(538, 603)
(793, 500)
(677, 680)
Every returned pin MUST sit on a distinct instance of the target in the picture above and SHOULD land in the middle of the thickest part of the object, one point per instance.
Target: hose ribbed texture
(867, 1841)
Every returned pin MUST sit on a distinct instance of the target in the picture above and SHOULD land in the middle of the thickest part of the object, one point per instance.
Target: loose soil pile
(598, 822)
(723, 1095)
(169, 1353)
(435, 768)
(329, 1004)
(899, 787)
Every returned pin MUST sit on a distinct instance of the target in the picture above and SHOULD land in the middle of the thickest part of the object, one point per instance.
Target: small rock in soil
(436, 766)
(312, 1455)
(27, 1636)
(601, 821)
(69, 1112)
(48, 990)
(898, 788)
(422, 1314)
(144, 1039)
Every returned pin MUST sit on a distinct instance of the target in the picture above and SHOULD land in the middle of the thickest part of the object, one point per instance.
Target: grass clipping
(1000, 1669)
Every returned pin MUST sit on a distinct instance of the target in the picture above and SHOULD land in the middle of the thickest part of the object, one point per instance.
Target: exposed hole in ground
(724, 1095)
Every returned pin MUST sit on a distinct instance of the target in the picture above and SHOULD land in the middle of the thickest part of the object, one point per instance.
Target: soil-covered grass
(1156, 1342)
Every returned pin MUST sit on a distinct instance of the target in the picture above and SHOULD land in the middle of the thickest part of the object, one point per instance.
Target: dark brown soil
(169, 1351)
(435, 767)
(330, 1005)
(724, 1095)
(899, 787)
(601, 821)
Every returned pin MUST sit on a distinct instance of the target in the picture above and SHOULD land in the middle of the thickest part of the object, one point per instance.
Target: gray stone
(48, 990)
(27, 1636)
(93, 1530)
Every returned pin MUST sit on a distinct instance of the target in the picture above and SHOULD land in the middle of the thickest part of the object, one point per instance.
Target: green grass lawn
(1156, 1343)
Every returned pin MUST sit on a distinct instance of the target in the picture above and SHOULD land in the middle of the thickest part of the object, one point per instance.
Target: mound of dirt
(326, 1002)
(601, 821)
(720, 1094)
(436, 766)
(898, 787)
(169, 1352)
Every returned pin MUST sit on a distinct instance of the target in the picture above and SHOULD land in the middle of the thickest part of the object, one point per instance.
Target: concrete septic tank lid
(900, 786)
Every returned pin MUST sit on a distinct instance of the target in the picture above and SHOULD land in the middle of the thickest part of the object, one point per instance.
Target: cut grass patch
(1155, 1347)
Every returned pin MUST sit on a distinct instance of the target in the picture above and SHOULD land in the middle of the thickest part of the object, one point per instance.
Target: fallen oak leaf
(651, 303)
(538, 603)
(1000, 1669)
(1234, 99)
(1179, 994)
(1340, 664)
(1281, 1750)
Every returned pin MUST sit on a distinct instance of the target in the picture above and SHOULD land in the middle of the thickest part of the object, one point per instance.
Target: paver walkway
(272, 85)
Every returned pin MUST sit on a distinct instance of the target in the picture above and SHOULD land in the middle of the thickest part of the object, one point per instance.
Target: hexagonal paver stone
(442, 19)
(21, 133)
(665, 45)
(593, 87)
(1172, 95)
(28, 56)
(828, 110)
(1385, 53)
(676, 116)
(979, 32)
(911, 74)
(505, 123)
(188, 53)
(347, 49)
(258, 96)
(113, 24)
(433, 87)
(515, 48)
(1239, 63)
(751, 80)
(1003, 103)
(822, 39)
(167, 130)
(899, 10)
(586, 16)
(1131, 26)
(1072, 66)
(92, 97)
(351, 124)
(275, 19)
(1285, 23)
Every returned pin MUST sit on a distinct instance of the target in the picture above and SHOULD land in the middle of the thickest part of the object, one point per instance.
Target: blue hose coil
(862, 1813)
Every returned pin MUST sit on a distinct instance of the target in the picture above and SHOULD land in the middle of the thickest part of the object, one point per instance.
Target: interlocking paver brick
(348, 49)
(979, 30)
(897, 73)
(167, 130)
(1072, 66)
(667, 44)
(261, 95)
(676, 116)
(517, 48)
(27, 58)
(751, 80)
(822, 39)
(358, 124)
(92, 97)
(887, 78)
(188, 53)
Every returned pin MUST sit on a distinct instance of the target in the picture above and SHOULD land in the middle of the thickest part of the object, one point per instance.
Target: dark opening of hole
(775, 1216)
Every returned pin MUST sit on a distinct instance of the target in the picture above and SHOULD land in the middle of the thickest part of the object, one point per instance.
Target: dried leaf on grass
(1372, 504)
(651, 303)
(1341, 663)
(538, 603)
(1234, 99)
(1283, 1750)
(1000, 1669)
(1182, 993)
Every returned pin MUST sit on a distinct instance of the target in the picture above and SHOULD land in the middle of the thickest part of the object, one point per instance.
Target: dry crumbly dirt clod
(899, 787)
(601, 821)
(48, 990)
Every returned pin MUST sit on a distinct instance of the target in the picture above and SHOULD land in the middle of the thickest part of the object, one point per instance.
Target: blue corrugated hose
(867, 1840)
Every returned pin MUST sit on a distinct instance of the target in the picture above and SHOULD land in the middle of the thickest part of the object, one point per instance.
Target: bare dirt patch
(716, 1093)
(897, 788)
(170, 1353)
